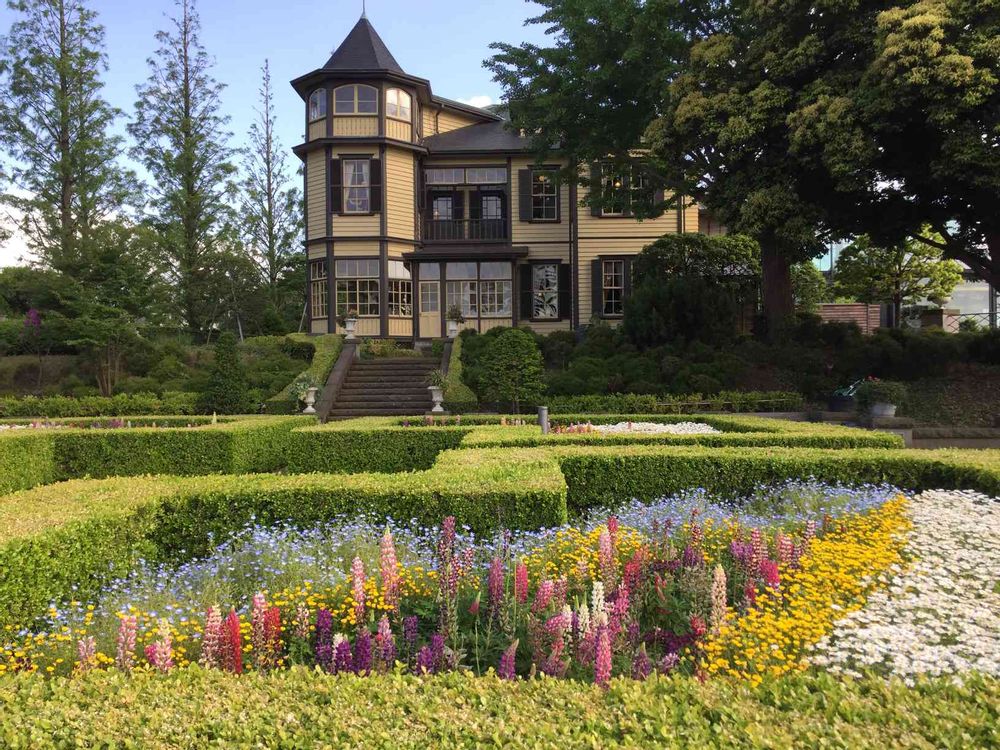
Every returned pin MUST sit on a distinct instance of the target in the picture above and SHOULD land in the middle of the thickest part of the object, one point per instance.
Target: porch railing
(455, 230)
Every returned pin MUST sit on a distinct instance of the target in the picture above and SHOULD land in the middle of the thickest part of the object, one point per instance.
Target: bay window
(358, 287)
(400, 290)
(356, 99)
(318, 291)
(397, 104)
(317, 105)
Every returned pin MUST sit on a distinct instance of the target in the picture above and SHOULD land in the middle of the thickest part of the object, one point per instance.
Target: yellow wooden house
(416, 204)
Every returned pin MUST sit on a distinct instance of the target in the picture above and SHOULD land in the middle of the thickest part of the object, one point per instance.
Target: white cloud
(478, 101)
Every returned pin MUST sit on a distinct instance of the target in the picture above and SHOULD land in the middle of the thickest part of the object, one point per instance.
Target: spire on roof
(363, 49)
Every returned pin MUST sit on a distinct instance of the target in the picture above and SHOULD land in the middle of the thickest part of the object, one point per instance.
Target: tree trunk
(776, 282)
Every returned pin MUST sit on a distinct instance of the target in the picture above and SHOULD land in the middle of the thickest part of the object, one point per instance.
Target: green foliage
(325, 351)
(809, 287)
(227, 390)
(26, 461)
(638, 403)
(458, 396)
(98, 406)
(458, 710)
(880, 392)
(899, 275)
(665, 309)
(512, 369)
(732, 260)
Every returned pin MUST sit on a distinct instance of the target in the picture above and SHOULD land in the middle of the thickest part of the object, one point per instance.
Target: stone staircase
(385, 387)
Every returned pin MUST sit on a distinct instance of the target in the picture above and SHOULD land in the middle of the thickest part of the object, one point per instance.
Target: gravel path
(678, 428)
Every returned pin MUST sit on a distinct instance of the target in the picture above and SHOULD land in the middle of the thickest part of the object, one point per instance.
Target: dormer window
(317, 105)
(397, 104)
(356, 99)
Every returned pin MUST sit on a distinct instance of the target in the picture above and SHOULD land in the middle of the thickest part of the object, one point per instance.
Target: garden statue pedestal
(310, 399)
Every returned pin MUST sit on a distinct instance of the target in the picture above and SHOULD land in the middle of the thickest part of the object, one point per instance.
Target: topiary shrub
(227, 391)
(512, 369)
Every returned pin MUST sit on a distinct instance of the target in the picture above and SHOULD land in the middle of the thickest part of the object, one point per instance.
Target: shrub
(227, 385)
(680, 308)
(458, 397)
(879, 392)
(55, 407)
(326, 351)
(512, 369)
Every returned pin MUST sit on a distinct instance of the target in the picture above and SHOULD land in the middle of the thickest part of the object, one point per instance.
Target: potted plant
(348, 321)
(880, 398)
(304, 389)
(435, 384)
(844, 399)
(454, 317)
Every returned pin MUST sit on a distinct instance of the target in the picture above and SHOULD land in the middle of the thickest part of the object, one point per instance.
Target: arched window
(356, 99)
(397, 104)
(317, 105)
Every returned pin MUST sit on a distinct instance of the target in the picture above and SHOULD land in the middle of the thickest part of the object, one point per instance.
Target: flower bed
(653, 597)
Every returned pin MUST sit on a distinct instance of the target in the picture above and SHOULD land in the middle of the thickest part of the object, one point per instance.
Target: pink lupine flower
(559, 591)
(389, 570)
(494, 588)
(612, 525)
(163, 652)
(809, 534)
(86, 653)
(785, 548)
(358, 590)
(543, 596)
(474, 607)
(125, 652)
(718, 612)
(619, 610)
(521, 583)
(507, 671)
(301, 626)
(750, 594)
(272, 637)
(758, 551)
(257, 640)
(602, 658)
(606, 558)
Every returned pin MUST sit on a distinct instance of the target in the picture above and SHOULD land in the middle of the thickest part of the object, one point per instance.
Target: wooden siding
(400, 326)
(319, 325)
(317, 129)
(547, 327)
(427, 121)
(486, 324)
(317, 251)
(342, 249)
(526, 233)
(399, 193)
(401, 131)
(355, 125)
(316, 188)
(867, 317)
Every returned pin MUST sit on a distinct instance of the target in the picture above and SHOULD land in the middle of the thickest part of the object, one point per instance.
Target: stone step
(376, 412)
(382, 391)
(362, 380)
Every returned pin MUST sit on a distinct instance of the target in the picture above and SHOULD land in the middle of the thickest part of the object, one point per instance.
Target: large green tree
(181, 138)
(901, 119)
(899, 275)
(65, 178)
(270, 213)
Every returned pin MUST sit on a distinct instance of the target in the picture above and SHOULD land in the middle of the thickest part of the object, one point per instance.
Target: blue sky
(445, 42)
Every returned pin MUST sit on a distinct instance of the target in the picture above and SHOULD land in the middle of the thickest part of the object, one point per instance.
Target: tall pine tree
(270, 207)
(64, 179)
(181, 139)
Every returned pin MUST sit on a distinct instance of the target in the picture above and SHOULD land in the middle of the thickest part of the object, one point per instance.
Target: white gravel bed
(678, 428)
(940, 614)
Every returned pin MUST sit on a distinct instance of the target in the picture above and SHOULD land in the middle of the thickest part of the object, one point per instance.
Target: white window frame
(362, 191)
(395, 107)
(357, 278)
(543, 194)
(319, 292)
(619, 287)
(355, 101)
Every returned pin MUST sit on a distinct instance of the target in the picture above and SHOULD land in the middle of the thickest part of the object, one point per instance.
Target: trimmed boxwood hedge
(72, 538)
(248, 444)
(382, 444)
(326, 348)
(196, 708)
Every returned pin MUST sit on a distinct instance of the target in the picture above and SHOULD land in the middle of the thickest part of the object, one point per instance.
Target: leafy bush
(640, 403)
(227, 390)
(680, 308)
(512, 369)
(326, 351)
(880, 392)
(458, 397)
(54, 407)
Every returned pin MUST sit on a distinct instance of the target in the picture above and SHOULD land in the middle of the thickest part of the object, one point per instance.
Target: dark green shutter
(336, 187)
(596, 186)
(596, 287)
(565, 292)
(524, 194)
(456, 205)
(525, 301)
(375, 180)
(475, 205)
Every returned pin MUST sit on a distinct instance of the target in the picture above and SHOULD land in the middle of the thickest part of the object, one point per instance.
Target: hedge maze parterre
(85, 504)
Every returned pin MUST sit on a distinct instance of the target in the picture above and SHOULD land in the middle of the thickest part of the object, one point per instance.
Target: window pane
(494, 271)
(463, 294)
(317, 104)
(544, 192)
(429, 291)
(545, 291)
(400, 298)
(429, 271)
(494, 299)
(441, 208)
(461, 270)
(367, 100)
(398, 270)
(344, 100)
(492, 207)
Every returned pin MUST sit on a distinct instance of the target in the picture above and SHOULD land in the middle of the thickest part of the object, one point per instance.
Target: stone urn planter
(883, 410)
(453, 317)
(452, 328)
(310, 400)
(437, 396)
(350, 324)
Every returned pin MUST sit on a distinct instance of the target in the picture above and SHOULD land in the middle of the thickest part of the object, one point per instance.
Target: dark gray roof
(487, 136)
(363, 49)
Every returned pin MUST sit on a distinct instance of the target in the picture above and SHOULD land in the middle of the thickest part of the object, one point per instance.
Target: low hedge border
(71, 538)
(725, 401)
(194, 707)
(172, 402)
(326, 350)
(458, 397)
(248, 444)
(383, 444)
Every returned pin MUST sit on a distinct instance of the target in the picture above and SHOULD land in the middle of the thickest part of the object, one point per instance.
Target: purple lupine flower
(324, 640)
(668, 662)
(363, 653)
(425, 661)
(343, 662)
(692, 557)
(437, 650)
(543, 596)
(386, 643)
(507, 670)
(411, 632)
(494, 588)
(642, 667)
(742, 552)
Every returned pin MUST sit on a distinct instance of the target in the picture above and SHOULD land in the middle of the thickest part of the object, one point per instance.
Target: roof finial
(364, 11)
